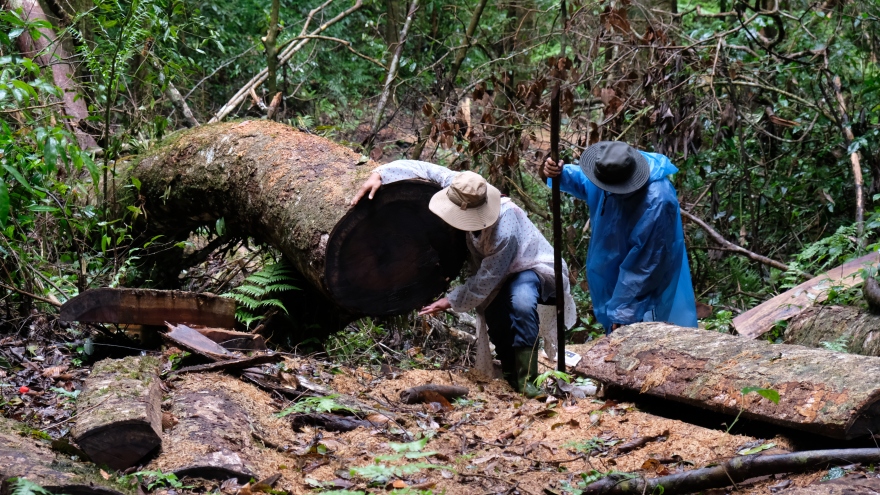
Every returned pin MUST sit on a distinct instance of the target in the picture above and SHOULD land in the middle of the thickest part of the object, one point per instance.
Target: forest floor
(492, 441)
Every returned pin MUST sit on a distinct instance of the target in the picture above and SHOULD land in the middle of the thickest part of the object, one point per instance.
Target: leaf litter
(492, 441)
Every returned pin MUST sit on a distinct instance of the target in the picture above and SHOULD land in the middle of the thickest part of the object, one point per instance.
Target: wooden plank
(232, 364)
(193, 341)
(232, 340)
(149, 307)
(820, 391)
(760, 319)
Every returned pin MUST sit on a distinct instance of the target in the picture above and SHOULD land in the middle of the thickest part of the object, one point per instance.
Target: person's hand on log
(372, 185)
(551, 169)
(435, 307)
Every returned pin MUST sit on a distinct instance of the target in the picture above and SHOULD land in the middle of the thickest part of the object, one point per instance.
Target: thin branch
(32, 296)
(720, 240)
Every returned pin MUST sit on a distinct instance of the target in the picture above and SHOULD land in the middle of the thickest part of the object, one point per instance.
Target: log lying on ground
(824, 392)
(760, 319)
(119, 416)
(24, 457)
(860, 330)
(733, 471)
(149, 307)
(213, 437)
(292, 190)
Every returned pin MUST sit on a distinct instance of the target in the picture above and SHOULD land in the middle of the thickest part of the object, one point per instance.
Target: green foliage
(840, 344)
(158, 479)
(555, 374)
(767, 393)
(721, 321)
(309, 405)
(381, 473)
(255, 295)
(24, 486)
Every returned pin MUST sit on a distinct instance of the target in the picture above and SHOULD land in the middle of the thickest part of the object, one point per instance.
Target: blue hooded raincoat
(637, 266)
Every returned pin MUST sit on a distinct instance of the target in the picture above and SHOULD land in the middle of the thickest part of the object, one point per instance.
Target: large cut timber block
(149, 307)
(760, 319)
(824, 392)
(119, 416)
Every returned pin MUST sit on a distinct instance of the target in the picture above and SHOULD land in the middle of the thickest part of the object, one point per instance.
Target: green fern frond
(248, 302)
(266, 303)
(279, 288)
(251, 290)
(24, 486)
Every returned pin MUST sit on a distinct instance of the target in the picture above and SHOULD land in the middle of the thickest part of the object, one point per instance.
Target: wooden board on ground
(119, 416)
(232, 340)
(193, 341)
(149, 307)
(820, 391)
(760, 319)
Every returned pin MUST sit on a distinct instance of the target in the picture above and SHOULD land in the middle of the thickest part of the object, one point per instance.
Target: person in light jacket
(512, 266)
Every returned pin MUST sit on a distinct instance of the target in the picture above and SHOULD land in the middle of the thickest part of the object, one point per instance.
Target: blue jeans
(512, 317)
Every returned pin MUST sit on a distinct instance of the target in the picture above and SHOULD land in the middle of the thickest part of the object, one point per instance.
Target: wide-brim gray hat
(469, 203)
(615, 166)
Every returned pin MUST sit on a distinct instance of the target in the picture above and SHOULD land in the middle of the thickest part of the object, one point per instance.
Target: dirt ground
(492, 441)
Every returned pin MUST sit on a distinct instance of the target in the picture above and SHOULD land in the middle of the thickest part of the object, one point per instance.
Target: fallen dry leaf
(54, 371)
(105, 475)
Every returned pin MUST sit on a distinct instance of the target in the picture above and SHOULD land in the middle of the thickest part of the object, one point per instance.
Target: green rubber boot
(526, 371)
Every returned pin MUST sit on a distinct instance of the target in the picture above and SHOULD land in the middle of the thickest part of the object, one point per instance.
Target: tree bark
(48, 53)
(119, 415)
(860, 330)
(22, 457)
(292, 190)
(820, 391)
(212, 439)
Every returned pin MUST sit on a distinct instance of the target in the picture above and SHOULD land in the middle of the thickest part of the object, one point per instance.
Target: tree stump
(292, 190)
(119, 417)
(859, 329)
(824, 392)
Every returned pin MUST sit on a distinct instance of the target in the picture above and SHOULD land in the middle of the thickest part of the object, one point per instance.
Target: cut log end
(391, 254)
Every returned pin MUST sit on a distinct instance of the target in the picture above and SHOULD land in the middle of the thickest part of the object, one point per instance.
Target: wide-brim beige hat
(469, 203)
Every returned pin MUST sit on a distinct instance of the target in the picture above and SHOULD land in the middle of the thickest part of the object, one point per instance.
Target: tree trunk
(858, 331)
(23, 457)
(119, 415)
(824, 392)
(292, 190)
(48, 52)
(212, 438)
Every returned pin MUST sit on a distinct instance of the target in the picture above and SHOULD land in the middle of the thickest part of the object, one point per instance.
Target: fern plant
(24, 486)
(256, 295)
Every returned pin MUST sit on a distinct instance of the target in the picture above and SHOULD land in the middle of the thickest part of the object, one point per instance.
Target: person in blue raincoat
(637, 266)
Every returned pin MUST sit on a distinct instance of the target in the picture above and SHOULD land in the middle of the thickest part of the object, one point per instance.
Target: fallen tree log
(760, 319)
(292, 190)
(218, 419)
(858, 331)
(732, 471)
(820, 391)
(23, 457)
(119, 416)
